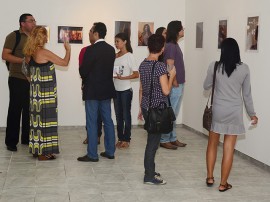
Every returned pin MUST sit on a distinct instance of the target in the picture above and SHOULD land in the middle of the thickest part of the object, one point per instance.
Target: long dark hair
(124, 37)
(230, 56)
(160, 30)
(173, 29)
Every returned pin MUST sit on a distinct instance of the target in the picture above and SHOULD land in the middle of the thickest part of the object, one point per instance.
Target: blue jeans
(150, 153)
(92, 107)
(122, 107)
(99, 122)
(176, 98)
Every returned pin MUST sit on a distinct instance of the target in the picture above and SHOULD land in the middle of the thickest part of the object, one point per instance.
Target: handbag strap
(151, 87)
(214, 83)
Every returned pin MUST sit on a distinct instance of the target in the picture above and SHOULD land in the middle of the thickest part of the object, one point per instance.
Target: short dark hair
(124, 37)
(173, 28)
(23, 17)
(101, 29)
(155, 43)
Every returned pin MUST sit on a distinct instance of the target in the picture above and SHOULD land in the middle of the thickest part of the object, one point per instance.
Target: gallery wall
(83, 13)
(71, 13)
(256, 141)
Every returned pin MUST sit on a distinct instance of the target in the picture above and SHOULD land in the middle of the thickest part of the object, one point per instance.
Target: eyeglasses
(31, 21)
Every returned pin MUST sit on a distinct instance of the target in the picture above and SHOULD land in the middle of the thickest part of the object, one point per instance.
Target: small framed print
(222, 31)
(145, 30)
(199, 35)
(70, 34)
(123, 27)
(252, 33)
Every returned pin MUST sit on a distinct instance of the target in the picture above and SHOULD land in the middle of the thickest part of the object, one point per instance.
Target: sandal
(210, 184)
(85, 141)
(118, 144)
(124, 145)
(46, 157)
(225, 187)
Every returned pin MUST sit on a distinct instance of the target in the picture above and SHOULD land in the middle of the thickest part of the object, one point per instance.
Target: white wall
(82, 13)
(71, 108)
(256, 141)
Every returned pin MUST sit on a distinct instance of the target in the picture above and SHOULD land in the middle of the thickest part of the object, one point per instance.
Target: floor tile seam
(7, 171)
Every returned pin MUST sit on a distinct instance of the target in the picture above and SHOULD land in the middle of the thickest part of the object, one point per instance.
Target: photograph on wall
(48, 32)
(222, 31)
(70, 34)
(252, 33)
(145, 30)
(199, 35)
(123, 26)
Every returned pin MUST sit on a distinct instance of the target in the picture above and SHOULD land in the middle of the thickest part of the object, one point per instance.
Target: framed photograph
(123, 26)
(222, 31)
(71, 34)
(48, 32)
(252, 33)
(199, 35)
(145, 30)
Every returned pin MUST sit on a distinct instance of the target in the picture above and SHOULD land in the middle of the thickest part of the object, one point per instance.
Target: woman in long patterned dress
(43, 94)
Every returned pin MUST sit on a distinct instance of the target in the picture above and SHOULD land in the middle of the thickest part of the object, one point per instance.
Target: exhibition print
(252, 33)
(222, 31)
(145, 30)
(123, 26)
(199, 35)
(70, 34)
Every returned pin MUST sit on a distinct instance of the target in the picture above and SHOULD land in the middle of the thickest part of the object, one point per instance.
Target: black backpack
(18, 38)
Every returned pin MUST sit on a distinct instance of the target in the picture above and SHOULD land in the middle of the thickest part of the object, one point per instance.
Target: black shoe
(86, 159)
(106, 155)
(25, 143)
(12, 148)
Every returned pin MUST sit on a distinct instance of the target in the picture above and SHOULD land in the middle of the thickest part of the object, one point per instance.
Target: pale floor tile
(24, 178)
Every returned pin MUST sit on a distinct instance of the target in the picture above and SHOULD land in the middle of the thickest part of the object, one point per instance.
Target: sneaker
(156, 181)
(157, 174)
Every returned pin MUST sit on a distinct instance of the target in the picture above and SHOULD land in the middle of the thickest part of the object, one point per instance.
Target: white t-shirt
(124, 65)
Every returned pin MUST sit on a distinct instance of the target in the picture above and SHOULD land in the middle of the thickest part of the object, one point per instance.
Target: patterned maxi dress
(43, 109)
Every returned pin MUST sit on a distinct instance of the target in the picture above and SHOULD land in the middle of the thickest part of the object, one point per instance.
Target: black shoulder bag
(18, 39)
(207, 115)
(159, 120)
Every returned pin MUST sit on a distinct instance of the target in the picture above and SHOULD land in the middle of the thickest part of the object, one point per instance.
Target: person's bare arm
(50, 56)
(134, 75)
(7, 56)
(166, 83)
(170, 62)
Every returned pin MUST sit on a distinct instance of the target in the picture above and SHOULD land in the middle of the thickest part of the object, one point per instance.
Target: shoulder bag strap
(214, 82)
(151, 85)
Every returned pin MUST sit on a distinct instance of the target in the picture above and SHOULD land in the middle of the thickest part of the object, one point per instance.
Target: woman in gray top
(231, 89)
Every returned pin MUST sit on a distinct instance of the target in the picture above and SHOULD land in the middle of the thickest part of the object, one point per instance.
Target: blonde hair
(37, 38)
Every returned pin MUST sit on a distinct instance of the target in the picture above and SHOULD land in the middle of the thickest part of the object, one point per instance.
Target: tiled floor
(24, 178)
